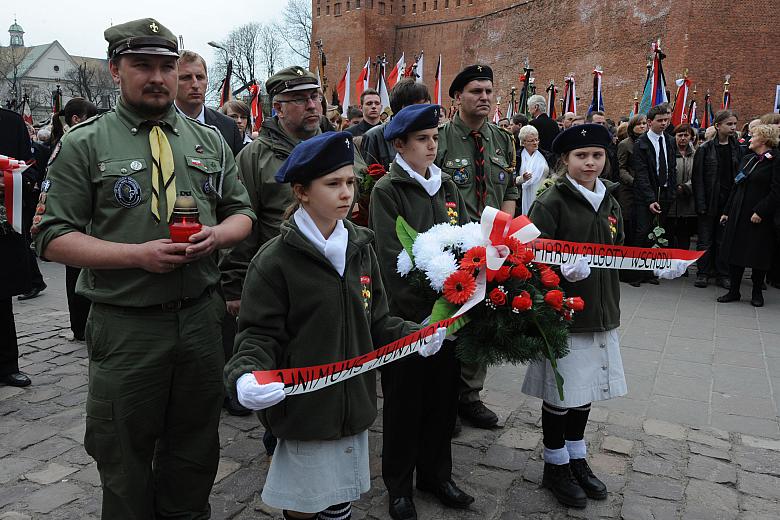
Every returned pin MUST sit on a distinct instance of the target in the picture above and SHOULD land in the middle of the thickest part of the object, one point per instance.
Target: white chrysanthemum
(439, 269)
(404, 264)
(426, 247)
(471, 236)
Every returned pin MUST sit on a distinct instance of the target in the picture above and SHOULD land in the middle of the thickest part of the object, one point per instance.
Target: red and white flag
(437, 84)
(26, 114)
(497, 115)
(256, 107)
(12, 180)
(343, 89)
(679, 112)
(397, 73)
(362, 82)
(419, 69)
(384, 97)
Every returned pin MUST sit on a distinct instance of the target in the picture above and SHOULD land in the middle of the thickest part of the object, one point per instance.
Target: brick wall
(710, 38)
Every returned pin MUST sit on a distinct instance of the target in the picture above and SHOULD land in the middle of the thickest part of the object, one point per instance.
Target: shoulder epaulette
(88, 121)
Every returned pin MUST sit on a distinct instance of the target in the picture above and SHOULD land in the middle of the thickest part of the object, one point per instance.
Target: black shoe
(725, 283)
(635, 284)
(233, 407)
(458, 427)
(729, 297)
(701, 281)
(757, 300)
(559, 479)
(763, 286)
(653, 281)
(15, 379)
(402, 508)
(592, 486)
(478, 414)
(448, 494)
(32, 294)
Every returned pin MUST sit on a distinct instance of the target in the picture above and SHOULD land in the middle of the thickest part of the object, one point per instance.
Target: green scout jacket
(562, 213)
(398, 194)
(456, 158)
(297, 311)
(99, 183)
(258, 162)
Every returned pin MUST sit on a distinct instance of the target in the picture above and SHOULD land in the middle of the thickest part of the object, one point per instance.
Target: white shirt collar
(657, 136)
(201, 117)
(334, 248)
(594, 197)
(431, 185)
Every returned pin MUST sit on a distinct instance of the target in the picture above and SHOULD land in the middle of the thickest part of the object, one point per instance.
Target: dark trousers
(78, 306)
(36, 277)
(420, 405)
(9, 348)
(681, 229)
(710, 240)
(736, 272)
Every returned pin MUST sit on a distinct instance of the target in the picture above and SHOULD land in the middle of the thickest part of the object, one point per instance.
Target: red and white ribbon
(497, 226)
(12, 179)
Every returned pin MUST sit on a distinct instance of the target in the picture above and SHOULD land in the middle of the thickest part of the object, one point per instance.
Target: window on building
(357, 4)
(370, 4)
(425, 6)
(457, 3)
(318, 11)
(435, 4)
(403, 9)
(446, 4)
(337, 9)
(348, 6)
(471, 2)
(381, 8)
(414, 8)
(327, 10)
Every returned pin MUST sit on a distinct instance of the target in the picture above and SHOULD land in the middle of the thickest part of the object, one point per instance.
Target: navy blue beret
(470, 73)
(581, 136)
(412, 118)
(317, 157)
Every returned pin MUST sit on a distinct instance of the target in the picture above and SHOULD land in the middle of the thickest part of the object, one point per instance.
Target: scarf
(535, 164)
(431, 185)
(593, 197)
(334, 249)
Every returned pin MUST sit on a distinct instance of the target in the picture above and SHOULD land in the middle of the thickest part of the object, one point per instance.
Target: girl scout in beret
(420, 395)
(579, 207)
(313, 295)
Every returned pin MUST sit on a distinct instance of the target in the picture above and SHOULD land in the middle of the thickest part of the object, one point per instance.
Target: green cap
(144, 36)
(290, 80)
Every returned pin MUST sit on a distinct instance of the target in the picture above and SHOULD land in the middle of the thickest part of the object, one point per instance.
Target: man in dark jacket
(548, 128)
(655, 172)
(714, 167)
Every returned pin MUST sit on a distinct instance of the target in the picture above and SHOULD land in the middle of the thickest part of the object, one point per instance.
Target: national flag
(381, 86)
(708, 114)
(397, 73)
(418, 70)
(597, 102)
(437, 84)
(551, 101)
(497, 115)
(56, 100)
(343, 89)
(693, 119)
(510, 107)
(225, 91)
(12, 179)
(409, 70)
(363, 79)
(256, 107)
(570, 95)
(655, 86)
(26, 113)
(679, 114)
(525, 81)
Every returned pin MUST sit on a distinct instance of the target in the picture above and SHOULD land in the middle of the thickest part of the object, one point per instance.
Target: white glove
(673, 272)
(255, 396)
(576, 271)
(433, 346)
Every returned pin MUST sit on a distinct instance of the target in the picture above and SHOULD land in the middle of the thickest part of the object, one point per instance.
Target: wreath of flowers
(524, 316)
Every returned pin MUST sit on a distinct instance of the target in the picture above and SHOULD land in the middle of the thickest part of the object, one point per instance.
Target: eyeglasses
(302, 102)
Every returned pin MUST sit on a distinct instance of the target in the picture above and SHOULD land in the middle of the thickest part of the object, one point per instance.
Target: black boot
(559, 479)
(478, 414)
(589, 483)
(729, 297)
(757, 300)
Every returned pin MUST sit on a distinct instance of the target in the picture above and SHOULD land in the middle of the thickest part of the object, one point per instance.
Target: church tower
(17, 35)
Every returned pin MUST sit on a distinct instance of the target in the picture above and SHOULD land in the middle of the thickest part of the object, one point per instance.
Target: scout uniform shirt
(456, 156)
(99, 183)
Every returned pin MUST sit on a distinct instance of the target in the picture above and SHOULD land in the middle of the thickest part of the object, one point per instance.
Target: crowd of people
(293, 267)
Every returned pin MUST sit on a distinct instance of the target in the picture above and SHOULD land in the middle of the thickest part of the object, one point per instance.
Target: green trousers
(472, 380)
(153, 408)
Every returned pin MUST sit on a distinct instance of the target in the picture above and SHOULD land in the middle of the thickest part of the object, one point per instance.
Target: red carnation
(554, 299)
(549, 278)
(575, 303)
(474, 259)
(498, 297)
(502, 275)
(521, 272)
(522, 302)
(376, 171)
(459, 287)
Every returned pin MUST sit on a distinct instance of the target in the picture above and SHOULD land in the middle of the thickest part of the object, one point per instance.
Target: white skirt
(592, 371)
(310, 476)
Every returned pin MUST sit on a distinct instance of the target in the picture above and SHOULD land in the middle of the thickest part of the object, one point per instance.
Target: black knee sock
(287, 516)
(576, 420)
(337, 512)
(553, 426)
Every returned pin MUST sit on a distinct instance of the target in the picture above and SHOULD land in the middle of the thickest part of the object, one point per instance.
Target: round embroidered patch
(207, 189)
(127, 192)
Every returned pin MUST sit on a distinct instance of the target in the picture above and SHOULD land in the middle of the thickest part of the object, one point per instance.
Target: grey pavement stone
(749, 425)
(226, 467)
(705, 468)
(708, 501)
(520, 439)
(654, 486)
(50, 474)
(48, 449)
(758, 442)
(758, 460)
(757, 484)
(707, 451)
(48, 499)
(12, 468)
(655, 466)
(711, 437)
(89, 475)
(639, 507)
(679, 411)
(505, 458)
(28, 435)
(7, 392)
(664, 429)
(758, 508)
(13, 515)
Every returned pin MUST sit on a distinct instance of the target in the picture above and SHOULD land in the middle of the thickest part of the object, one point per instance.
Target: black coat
(744, 243)
(705, 180)
(547, 129)
(647, 187)
(227, 127)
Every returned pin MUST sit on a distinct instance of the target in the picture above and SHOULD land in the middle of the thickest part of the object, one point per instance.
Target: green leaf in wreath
(663, 241)
(406, 235)
(658, 231)
(458, 324)
(442, 309)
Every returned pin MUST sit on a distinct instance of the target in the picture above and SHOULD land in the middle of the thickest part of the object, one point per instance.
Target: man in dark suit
(547, 127)
(191, 96)
(14, 268)
(655, 171)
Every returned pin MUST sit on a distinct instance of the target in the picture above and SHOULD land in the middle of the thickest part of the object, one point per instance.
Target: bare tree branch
(91, 81)
(297, 28)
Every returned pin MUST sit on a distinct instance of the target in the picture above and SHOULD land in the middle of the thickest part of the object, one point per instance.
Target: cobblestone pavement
(696, 438)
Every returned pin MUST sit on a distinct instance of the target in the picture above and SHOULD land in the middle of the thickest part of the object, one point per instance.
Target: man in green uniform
(480, 158)
(297, 99)
(153, 334)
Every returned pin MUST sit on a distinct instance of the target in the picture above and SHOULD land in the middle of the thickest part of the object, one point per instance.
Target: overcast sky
(79, 25)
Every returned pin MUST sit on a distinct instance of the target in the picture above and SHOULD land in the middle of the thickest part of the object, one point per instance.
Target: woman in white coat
(532, 166)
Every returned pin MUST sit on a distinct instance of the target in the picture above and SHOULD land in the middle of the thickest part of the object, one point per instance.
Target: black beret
(581, 136)
(144, 36)
(412, 118)
(317, 157)
(470, 73)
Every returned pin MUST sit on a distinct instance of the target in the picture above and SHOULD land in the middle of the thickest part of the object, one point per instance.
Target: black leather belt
(170, 306)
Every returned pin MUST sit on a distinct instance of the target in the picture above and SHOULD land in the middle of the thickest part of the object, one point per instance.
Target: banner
(11, 170)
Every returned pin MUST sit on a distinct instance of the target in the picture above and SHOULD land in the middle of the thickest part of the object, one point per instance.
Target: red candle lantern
(184, 221)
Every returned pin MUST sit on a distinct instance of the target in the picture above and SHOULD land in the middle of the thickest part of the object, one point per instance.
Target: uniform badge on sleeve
(365, 282)
(45, 185)
(127, 192)
(460, 176)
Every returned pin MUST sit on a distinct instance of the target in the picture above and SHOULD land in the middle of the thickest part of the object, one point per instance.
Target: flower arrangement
(516, 313)
(366, 183)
